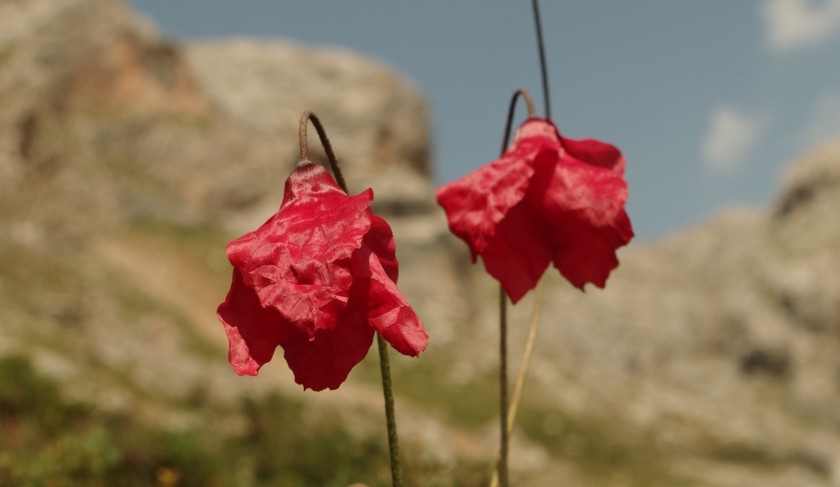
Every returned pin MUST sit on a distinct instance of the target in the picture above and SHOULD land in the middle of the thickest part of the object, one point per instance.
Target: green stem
(503, 396)
(390, 417)
(502, 464)
(523, 372)
(322, 134)
(384, 362)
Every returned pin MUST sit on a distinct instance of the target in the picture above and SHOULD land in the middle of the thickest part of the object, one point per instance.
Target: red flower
(318, 278)
(547, 199)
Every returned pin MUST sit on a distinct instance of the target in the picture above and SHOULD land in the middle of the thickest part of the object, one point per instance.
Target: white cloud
(730, 136)
(824, 121)
(795, 23)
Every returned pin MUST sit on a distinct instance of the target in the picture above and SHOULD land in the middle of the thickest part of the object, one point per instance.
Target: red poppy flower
(318, 278)
(547, 199)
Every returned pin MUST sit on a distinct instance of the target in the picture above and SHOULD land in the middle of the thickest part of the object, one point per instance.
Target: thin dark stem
(322, 134)
(543, 65)
(502, 467)
(503, 385)
(384, 362)
(512, 111)
(390, 416)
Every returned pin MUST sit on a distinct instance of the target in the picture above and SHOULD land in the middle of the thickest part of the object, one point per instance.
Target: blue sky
(707, 100)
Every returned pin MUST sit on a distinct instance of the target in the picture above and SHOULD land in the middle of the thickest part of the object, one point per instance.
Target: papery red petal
(583, 208)
(253, 331)
(298, 261)
(376, 295)
(572, 214)
(317, 278)
(325, 360)
(380, 239)
(476, 203)
(536, 130)
(594, 152)
(519, 253)
(586, 253)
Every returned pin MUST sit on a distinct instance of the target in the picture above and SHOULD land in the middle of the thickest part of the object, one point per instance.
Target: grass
(472, 405)
(604, 449)
(48, 440)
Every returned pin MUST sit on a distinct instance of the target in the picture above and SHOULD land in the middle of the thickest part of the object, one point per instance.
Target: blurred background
(137, 139)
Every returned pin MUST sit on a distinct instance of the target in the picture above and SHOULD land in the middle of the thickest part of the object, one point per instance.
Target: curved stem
(512, 111)
(502, 464)
(384, 362)
(322, 134)
(504, 426)
(543, 65)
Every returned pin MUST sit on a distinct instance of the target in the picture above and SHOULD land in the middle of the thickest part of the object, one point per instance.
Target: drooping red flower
(547, 199)
(318, 278)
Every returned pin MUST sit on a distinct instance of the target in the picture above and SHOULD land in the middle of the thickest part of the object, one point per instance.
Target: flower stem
(390, 416)
(502, 464)
(526, 357)
(503, 400)
(543, 65)
(523, 370)
(322, 134)
(512, 111)
(384, 362)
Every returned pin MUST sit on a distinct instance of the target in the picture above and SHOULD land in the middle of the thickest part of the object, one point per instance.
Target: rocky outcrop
(126, 164)
(107, 130)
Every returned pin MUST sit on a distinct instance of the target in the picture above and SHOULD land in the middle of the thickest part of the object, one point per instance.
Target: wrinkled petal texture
(375, 296)
(476, 203)
(557, 200)
(303, 281)
(253, 331)
(325, 361)
(299, 260)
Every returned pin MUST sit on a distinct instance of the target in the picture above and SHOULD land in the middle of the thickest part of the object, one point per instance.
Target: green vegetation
(604, 449)
(49, 441)
(472, 404)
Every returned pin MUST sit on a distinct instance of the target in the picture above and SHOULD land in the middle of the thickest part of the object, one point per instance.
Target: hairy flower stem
(384, 362)
(322, 134)
(523, 371)
(504, 428)
(543, 65)
(502, 468)
(390, 417)
(512, 111)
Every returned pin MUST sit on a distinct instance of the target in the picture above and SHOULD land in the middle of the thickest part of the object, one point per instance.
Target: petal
(253, 331)
(586, 253)
(476, 203)
(309, 182)
(537, 130)
(325, 360)
(298, 261)
(519, 253)
(376, 296)
(583, 207)
(380, 239)
(595, 153)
